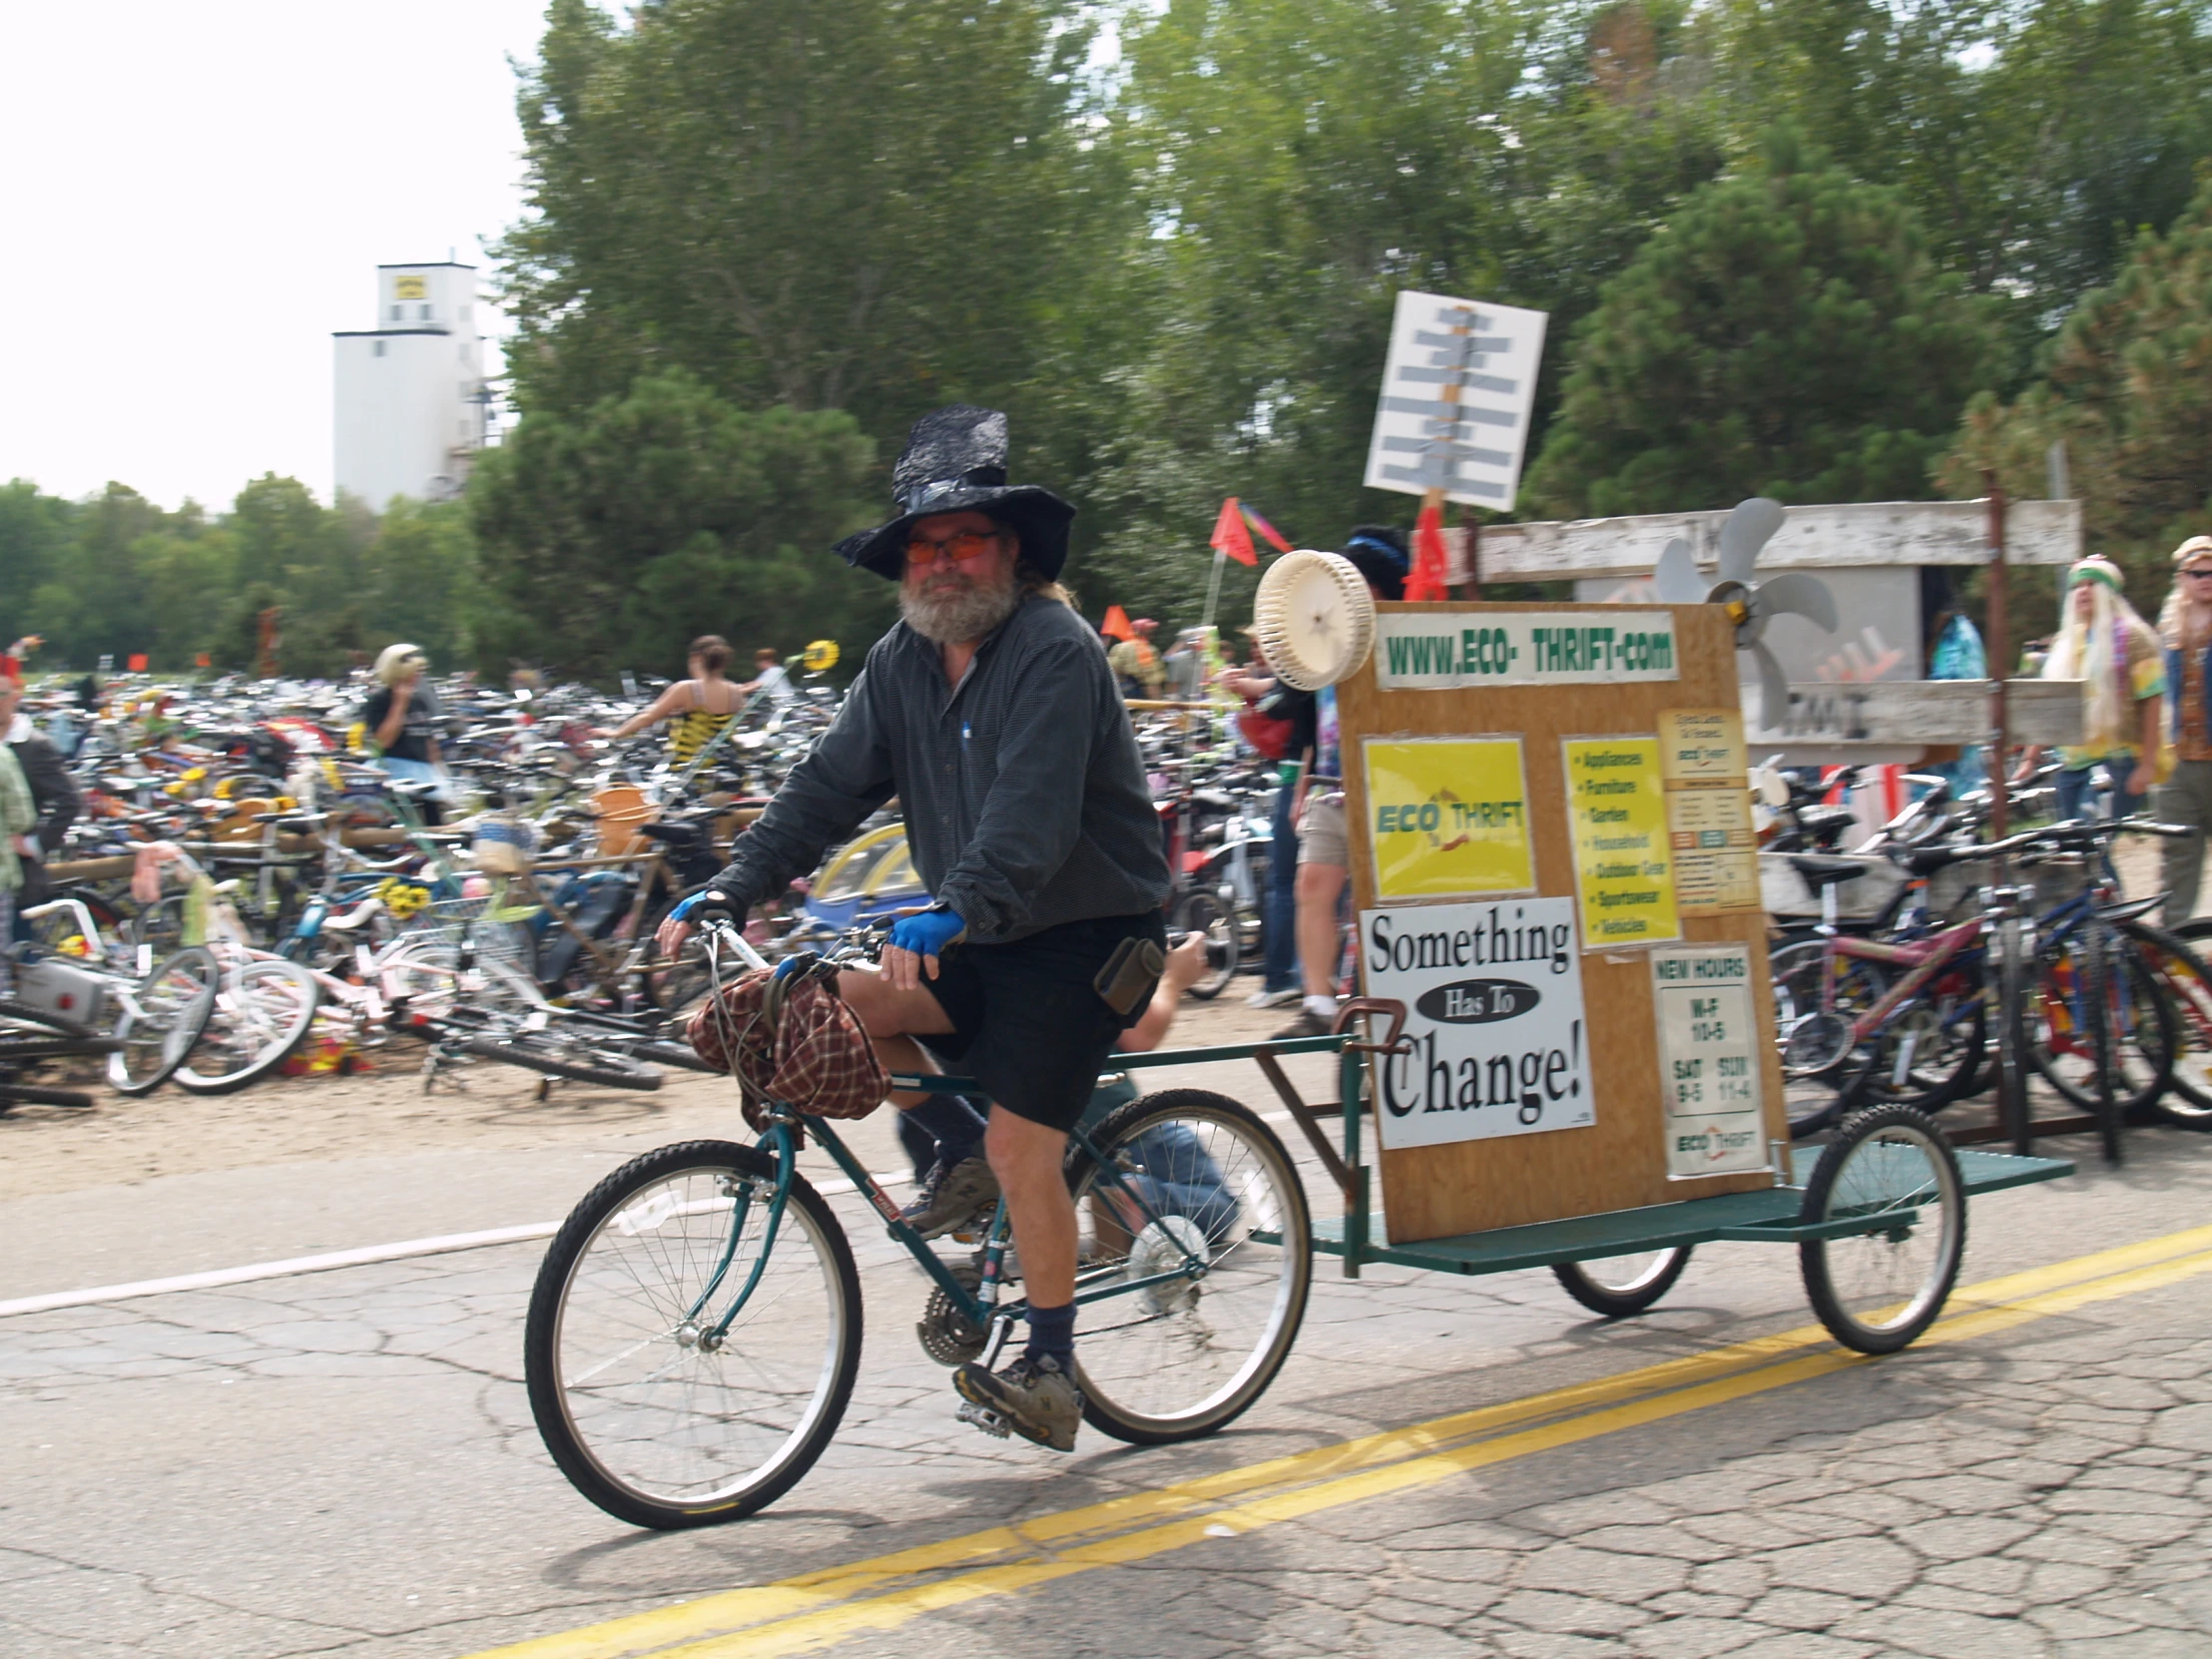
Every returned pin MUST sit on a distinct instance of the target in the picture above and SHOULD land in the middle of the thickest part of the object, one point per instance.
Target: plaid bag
(795, 1040)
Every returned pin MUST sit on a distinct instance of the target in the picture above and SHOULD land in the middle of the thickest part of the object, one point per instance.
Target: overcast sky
(197, 195)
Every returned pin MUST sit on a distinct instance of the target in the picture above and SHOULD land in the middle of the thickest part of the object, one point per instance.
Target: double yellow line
(819, 1609)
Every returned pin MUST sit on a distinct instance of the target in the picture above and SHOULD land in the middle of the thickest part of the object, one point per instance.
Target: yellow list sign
(1623, 864)
(1701, 755)
(1448, 818)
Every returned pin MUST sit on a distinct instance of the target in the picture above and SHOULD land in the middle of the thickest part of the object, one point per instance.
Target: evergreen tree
(1786, 333)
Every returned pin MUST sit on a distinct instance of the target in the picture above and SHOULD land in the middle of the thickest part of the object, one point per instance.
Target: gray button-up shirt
(1024, 796)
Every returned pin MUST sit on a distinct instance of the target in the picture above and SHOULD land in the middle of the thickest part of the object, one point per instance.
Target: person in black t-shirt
(402, 718)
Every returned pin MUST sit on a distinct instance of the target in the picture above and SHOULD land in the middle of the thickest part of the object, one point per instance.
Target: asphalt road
(343, 1463)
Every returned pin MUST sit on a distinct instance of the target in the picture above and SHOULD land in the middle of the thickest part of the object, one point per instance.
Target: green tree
(36, 533)
(607, 540)
(1786, 334)
(1302, 161)
(819, 203)
(2127, 387)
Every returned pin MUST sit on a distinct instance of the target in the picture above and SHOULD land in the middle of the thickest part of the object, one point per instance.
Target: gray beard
(958, 614)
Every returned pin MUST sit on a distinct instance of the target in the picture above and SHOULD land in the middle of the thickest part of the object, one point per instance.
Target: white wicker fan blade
(1798, 594)
(1315, 619)
(1743, 533)
(1675, 575)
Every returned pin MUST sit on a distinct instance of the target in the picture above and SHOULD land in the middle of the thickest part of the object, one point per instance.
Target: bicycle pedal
(983, 1418)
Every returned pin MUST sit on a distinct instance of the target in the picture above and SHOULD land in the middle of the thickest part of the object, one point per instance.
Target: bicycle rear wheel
(1619, 1286)
(1889, 1168)
(1822, 1058)
(652, 1411)
(1222, 1212)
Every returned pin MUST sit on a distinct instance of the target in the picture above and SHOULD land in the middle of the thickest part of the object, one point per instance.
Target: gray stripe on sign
(1429, 478)
(1464, 454)
(1449, 411)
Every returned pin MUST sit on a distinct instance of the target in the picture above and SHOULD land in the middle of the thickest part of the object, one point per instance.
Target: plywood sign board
(1551, 864)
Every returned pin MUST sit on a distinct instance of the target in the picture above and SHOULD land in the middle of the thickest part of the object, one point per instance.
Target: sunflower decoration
(402, 901)
(819, 657)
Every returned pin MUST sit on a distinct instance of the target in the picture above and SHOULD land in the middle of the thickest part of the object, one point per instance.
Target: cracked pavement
(343, 1463)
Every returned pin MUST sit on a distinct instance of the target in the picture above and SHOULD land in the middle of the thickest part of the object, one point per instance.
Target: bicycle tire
(2095, 967)
(55, 1048)
(262, 1014)
(31, 1095)
(1204, 912)
(1143, 1356)
(2186, 979)
(1629, 1292)
(162, 1015)
(2157, 1022)
(1867, 1287)
(1821, 1061)
(525, 1049)
(1960, 1037)
(2014, 1035)
(24, 1013)
(572, 1311)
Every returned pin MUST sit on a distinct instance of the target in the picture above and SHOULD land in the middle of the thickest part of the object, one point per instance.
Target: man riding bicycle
(991, 713)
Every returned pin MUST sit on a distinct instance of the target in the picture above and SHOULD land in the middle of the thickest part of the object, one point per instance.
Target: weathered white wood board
(1932, 711)
(1811, 538)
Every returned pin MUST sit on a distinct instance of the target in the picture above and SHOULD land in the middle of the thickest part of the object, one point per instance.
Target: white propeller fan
(1750, 604)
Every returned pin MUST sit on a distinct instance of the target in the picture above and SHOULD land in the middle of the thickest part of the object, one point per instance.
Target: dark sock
(953, 1123)
(1052, 1331)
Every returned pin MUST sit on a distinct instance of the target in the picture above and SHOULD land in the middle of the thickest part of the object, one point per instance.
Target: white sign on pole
(1709, 1061)
(1457, 391)
(1454, 650)
(1494, 999)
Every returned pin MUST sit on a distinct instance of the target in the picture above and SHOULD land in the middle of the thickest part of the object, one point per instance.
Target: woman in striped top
(697, 709)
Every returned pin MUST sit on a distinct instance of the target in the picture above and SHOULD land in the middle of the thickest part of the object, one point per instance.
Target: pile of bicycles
(1994, 964)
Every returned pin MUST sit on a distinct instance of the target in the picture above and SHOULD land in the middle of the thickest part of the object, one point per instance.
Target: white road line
(365, 1256)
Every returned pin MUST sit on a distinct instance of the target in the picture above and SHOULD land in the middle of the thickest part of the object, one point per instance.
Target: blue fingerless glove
(706, 904)
(928, 934)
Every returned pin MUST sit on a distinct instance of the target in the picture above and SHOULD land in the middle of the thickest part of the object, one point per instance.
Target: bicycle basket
(793, 1041)
(493, 931)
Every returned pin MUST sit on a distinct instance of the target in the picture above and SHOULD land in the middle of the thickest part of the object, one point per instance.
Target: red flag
(1116, 626)
(1230, 537)
(1427, 578)
(1273, 535)
(137, 661)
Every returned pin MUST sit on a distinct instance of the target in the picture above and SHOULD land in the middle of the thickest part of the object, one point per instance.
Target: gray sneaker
(1033, 1397)
(950, 1197)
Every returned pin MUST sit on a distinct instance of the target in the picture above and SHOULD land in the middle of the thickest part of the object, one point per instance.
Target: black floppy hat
(956, 462)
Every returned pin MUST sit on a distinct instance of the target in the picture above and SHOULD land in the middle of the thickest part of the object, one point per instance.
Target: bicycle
(694, 1333)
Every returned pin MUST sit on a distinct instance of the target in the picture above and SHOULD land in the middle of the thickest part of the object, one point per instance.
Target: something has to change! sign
(1493, 997)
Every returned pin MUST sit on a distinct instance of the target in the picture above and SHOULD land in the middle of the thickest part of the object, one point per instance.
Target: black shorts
(1028, 1024)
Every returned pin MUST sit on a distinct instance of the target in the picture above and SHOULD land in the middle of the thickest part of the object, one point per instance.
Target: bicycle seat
(2130, 909)
(1927, 861)
(1821, 823)
(1820, 871)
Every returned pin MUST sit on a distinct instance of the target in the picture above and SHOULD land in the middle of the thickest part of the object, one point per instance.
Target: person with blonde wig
(2117, 657)
(402, 716)
(2185, 626)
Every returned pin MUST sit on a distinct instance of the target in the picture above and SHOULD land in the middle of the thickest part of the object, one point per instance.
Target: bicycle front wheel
(262, 1010)
(2174, 962)
(2093, 1010)
(665, 1398)
(163, 1016)
(1197, 1258)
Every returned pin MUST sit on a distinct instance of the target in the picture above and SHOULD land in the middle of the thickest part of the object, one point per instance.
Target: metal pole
(1213, 588)
(1999, 640)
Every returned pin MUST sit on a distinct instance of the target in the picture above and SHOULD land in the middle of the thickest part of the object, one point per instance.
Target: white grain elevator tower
(411, 405)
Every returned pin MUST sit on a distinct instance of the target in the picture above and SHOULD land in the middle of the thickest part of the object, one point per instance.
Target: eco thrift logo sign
(1448, 818)
(1449, 651)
